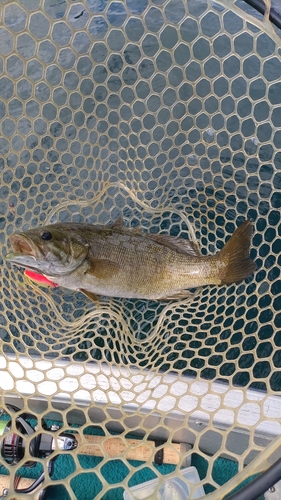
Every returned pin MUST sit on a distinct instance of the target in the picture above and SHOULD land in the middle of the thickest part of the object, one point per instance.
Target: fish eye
(46, 236)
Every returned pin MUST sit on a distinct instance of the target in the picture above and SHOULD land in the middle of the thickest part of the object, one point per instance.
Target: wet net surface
(165, 113)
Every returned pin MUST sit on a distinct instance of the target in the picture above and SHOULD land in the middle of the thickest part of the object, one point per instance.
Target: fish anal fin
(195, 247)
(183, 294)
(90, 295)
(179, 245)
(103, 269)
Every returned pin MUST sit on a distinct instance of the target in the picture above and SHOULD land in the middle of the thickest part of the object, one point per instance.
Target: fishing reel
(14, 445)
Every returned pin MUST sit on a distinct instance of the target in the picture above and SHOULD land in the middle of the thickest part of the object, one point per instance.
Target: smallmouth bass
(116, 261)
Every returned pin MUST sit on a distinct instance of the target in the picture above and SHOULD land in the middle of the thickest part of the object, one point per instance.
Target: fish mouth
(24, 252)
(21, 245)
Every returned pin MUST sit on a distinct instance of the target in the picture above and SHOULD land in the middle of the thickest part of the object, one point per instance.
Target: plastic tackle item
(173, 488)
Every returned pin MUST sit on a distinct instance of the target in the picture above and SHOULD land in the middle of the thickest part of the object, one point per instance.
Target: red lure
(39, 278)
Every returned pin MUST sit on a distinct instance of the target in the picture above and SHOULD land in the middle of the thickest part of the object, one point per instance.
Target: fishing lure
(39, 278)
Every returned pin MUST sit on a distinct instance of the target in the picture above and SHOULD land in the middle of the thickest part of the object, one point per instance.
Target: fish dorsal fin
(137, 231)
(118, 224)
(179, 245)
(103, 269)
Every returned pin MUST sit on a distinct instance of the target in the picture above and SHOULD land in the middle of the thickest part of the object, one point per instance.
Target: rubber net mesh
(166, 113)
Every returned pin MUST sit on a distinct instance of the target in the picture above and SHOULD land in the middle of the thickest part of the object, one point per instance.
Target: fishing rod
(25, 440)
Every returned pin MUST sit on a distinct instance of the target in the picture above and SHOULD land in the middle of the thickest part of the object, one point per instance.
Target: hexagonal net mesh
(166, 113)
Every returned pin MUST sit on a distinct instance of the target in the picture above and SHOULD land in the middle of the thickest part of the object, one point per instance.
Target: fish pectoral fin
(103, 269)
(183, 294)
(90, 295)
(179, 245)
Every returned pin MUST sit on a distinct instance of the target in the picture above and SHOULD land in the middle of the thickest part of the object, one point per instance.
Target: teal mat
(87, 484)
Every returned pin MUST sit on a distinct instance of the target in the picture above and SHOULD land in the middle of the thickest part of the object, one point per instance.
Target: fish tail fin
(235, 264)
